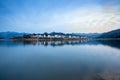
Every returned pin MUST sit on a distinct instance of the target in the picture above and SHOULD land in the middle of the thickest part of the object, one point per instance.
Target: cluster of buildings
(38, 36)
(53, 36)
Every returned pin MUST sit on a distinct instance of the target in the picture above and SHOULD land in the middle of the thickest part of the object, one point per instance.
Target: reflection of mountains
(112, 43)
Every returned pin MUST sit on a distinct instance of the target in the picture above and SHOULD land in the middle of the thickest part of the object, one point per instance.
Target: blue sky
(81, 16)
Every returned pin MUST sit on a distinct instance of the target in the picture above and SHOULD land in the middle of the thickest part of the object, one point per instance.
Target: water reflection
(86, 60)
(45, 43)
(53, 43)
(111, 43)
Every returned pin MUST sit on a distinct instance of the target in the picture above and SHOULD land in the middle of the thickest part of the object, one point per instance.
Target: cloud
(87, 18)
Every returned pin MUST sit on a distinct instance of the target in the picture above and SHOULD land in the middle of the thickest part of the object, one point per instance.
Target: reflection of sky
(66, 63)
(8, 43)
(63, 15)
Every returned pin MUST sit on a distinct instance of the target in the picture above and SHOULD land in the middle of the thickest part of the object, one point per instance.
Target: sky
(69, 16)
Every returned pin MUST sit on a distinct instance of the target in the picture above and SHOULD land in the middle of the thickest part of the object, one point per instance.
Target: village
(51, 36)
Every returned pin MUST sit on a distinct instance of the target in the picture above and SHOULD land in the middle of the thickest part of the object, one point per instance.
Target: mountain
(89, 35)
(111, 34)
(7, 35)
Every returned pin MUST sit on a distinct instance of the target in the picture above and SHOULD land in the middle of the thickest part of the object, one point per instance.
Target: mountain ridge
(111, 34)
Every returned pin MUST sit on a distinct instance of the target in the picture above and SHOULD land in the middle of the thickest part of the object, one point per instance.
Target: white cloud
(92, 19)
(84, 20)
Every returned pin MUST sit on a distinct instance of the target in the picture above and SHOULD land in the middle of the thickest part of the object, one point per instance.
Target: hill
(111, 34)
(7, 35)
(89, 35)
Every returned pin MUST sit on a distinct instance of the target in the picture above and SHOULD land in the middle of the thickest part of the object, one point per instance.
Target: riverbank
(48, 39)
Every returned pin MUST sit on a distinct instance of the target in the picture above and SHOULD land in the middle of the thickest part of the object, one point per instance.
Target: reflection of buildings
(55, 43)
(110, 43)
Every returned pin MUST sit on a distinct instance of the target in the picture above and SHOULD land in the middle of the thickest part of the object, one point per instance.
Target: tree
(26, 36)
(46, 34)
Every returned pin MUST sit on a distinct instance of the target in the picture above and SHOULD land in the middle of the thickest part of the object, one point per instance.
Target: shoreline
(59, 39)
(50, 39)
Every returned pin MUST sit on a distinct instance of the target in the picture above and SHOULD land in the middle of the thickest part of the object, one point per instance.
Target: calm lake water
(71, 60)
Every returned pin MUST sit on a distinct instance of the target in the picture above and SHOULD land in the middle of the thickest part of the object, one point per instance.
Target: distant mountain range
(111, 34)
(89, 35)
(7, 35)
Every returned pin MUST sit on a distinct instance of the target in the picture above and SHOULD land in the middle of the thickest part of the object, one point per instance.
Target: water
(73, 60)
